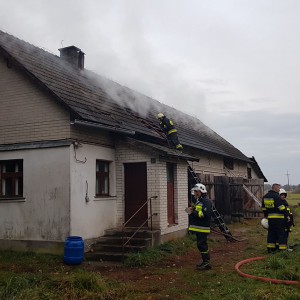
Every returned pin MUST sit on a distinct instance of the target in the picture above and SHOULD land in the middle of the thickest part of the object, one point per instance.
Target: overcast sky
(234, 64)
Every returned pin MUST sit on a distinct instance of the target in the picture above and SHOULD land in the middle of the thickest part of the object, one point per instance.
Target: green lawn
(166, 272)
(293, 199)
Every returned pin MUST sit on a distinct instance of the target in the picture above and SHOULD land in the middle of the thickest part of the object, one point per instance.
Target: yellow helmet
(160, 116)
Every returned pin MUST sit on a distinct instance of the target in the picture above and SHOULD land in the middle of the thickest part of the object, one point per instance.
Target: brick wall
(157, 185)
(26, 113)
(85, 135)
(213, 164)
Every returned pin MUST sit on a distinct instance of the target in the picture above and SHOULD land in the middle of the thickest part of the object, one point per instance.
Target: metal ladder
(215, 214)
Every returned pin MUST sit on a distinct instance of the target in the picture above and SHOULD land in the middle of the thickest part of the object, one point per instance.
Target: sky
(233, 64)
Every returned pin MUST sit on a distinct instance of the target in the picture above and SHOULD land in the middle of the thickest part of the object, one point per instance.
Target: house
(80, 154)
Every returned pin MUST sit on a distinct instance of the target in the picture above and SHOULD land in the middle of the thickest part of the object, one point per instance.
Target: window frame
(99, 179)
(228, 163)
(249, 173)
(17, 178)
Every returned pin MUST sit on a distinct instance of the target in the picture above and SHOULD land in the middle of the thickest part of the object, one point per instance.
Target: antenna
(62, 43)
(288, 178)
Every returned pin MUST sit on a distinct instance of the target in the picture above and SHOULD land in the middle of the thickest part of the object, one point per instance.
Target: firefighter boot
(205, 265)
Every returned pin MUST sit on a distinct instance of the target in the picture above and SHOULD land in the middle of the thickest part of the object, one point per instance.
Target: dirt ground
(224, 256)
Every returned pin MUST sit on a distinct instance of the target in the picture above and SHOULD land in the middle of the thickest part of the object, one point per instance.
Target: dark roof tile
(91, 97)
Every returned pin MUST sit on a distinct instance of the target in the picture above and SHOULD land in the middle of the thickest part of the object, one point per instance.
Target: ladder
(215, 214)
(193, 174)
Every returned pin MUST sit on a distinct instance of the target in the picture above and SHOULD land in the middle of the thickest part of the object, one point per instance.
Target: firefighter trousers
(202, 245)
(276, 235)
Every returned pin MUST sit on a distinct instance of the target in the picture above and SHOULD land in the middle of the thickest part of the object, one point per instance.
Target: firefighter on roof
(167, 126)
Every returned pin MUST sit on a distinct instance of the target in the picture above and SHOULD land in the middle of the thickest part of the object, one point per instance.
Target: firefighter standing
(200, 212)
(167, 126)
(274, 209)
(289, 223)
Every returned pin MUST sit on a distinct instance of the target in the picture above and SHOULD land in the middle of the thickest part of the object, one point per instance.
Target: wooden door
(170, 194)
(135, 193)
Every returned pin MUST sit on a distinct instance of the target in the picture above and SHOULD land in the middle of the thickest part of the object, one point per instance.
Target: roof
(257, 169)
(166, 152)
(95, 99)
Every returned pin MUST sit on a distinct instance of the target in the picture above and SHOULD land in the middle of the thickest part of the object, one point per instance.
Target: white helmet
(264, 223)
(282, 191)
(199, 187)
(160, 115)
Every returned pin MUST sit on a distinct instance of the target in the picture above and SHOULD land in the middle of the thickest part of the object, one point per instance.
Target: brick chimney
(73, 55)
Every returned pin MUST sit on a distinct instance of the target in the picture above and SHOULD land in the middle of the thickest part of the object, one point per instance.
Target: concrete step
(116, 240)
(110, 246)
(118, 248)
(142, 233)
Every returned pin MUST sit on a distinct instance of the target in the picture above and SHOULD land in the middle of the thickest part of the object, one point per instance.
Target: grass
(293, 199)
(78, 284)
(25, 276)
(157, 254)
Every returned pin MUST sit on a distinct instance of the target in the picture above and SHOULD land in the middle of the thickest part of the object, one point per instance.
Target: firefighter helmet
(282, 191)
(264, 223)
(199, 187)
(160, 115)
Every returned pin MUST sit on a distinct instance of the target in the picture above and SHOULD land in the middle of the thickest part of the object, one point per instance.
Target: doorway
(135, 193)
(170, 194)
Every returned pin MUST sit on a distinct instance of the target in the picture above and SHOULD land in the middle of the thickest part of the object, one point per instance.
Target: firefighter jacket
(167, 125)
(200, 217)
(273, 207)
(290, 222)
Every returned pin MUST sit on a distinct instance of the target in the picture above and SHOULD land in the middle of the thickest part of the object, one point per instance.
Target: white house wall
(44, 214)
(91, 215)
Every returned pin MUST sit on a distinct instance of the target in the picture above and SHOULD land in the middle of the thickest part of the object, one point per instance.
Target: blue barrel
(74, 250)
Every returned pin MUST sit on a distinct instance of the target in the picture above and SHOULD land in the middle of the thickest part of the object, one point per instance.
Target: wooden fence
(230, 198)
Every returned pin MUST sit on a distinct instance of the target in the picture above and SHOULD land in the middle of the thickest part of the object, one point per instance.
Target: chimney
(73, 55)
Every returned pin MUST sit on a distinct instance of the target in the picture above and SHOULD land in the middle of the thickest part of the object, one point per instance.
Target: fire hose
(266, 279)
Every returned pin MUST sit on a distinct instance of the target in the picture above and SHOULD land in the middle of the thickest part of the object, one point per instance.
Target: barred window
(102, 178)
(11, 178)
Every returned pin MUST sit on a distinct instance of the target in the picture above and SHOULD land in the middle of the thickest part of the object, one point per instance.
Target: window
(11, 178)
(249, 173)
(228, 163)
(102, 178)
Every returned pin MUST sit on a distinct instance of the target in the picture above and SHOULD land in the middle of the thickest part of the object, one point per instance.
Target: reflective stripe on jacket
(199, 228)
(273, 206)
(167, 125)
(172, 131)
(275, 216)
(201, 215)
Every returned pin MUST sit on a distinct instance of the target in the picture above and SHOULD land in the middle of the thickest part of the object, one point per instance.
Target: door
(170, 194)
(135, 193)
